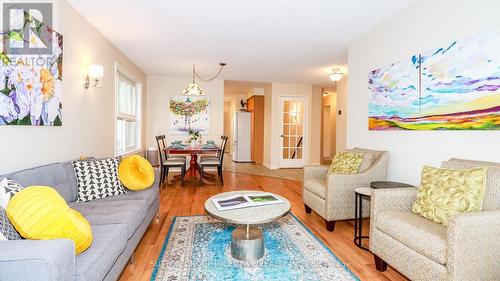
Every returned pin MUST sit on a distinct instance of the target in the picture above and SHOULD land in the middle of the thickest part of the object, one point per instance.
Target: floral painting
(189, 114)
(457, 88)
(30, 85)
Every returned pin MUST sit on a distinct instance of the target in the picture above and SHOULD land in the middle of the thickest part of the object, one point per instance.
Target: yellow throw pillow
(445, 192)
(40, 213)
(136, 173)
(346, 163)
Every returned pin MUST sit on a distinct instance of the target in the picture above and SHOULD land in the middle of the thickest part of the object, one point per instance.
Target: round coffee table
(247, 241)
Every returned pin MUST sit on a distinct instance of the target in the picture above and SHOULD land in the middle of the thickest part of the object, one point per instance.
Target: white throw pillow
(8, 188)
(97, 179)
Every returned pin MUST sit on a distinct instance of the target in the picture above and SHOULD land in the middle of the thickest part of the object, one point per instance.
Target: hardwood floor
(190, 198)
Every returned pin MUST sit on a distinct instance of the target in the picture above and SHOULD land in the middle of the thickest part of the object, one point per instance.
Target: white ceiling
(260, 40)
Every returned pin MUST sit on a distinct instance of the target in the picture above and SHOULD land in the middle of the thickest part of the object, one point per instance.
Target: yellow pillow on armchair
(445, 192)
(346, 163)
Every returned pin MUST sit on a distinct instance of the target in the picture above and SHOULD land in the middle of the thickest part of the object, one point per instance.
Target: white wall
(268, 97)
(88, 116)
(279, 90)
(428, 24)
(342, 105)
(161, 88)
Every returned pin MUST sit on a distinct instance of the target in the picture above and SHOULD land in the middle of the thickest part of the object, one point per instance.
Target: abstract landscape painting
(458, 89)
(189, 114)
(394, 95)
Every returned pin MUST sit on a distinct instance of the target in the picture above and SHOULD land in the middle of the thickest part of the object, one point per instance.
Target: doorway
(327, 136)
(329, 124)
(293, 141)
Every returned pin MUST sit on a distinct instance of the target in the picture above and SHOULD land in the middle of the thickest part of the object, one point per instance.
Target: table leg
(358, 222)
(247, 243)
(192, 164)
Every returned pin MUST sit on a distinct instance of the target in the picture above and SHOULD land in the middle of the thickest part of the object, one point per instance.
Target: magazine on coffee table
(239, 201)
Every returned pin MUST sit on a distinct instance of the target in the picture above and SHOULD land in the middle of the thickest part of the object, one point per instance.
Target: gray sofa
(118, 224)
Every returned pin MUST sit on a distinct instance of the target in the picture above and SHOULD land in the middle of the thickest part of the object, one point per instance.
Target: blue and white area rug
(198, 248)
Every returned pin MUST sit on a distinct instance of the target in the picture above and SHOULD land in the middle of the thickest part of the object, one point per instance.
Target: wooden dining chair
(166, 162)
(162, 139)
(215, 155)
(214, 163)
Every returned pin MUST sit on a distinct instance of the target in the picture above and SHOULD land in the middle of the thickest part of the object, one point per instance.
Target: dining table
(193, 151)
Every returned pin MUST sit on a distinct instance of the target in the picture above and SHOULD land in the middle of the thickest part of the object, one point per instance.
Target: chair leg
(330, 225)
(201, 174)
(166, 174)
(161, 175)
(219, 171)
(183, 174)
(380, 264)
(308, 209)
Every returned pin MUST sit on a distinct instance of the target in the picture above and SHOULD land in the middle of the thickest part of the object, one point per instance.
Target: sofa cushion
(109, 241)
(130, 213)
(316, 186)
(420, 234)
(149, 195)
(60, 176)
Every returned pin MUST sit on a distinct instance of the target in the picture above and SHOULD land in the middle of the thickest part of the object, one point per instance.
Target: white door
(293, 142)
(327, 133)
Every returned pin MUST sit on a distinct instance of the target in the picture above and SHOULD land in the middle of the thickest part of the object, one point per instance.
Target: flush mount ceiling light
(193, 89)
(336, 75)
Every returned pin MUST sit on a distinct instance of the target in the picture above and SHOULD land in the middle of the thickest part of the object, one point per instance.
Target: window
(127, 115)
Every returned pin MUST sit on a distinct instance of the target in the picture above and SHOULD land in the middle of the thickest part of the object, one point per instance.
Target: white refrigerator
(241, 137)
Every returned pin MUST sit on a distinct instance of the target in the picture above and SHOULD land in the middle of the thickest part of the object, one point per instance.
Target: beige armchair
(332, 196)
(467, 249)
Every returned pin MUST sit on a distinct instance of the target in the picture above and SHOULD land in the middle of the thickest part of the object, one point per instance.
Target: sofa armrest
(40, 260)
(315, 171)
(473, 246)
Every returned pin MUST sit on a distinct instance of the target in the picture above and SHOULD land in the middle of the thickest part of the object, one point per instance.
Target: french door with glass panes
(293, 143)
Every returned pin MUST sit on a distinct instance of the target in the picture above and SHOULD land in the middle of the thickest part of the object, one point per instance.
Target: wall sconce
(94, 76)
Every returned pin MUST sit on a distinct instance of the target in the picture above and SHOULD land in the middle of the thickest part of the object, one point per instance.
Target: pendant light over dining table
(193, 89)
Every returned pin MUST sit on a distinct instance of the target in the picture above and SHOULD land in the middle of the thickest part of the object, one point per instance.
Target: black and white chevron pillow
(97, 179)
(7, 230)
(8, 188)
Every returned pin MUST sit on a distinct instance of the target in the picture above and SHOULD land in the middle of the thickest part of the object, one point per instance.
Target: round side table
(360, 193)
(365, 193)
(247, 240)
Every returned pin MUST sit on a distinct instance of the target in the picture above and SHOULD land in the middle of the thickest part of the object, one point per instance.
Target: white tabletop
(250, 215)
(364, 190)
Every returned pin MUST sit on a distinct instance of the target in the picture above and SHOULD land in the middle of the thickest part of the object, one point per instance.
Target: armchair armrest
(473, 246)
(393, 199)
(40, 260)
(315, 171)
